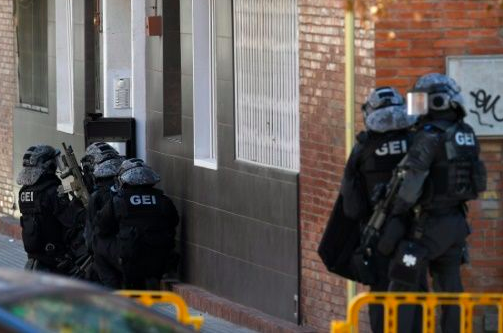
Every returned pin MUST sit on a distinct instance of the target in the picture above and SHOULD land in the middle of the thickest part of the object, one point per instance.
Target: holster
(409, 262)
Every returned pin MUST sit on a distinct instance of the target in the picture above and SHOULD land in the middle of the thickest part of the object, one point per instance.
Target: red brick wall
(425, 32)
(8, 96)
(323, 295)
(412, 39)
(485, 273)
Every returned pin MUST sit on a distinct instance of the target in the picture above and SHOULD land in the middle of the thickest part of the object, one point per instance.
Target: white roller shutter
(267, 82)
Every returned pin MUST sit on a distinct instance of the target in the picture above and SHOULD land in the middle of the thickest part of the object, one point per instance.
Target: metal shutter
(267, 82)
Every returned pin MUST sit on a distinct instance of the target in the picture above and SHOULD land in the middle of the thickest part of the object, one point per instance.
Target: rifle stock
(72, 168)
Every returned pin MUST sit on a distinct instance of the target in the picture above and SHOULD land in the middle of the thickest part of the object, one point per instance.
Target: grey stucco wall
(239, 226)
(31, 127)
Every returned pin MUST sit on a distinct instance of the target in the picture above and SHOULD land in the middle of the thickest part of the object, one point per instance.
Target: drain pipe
(349, 51)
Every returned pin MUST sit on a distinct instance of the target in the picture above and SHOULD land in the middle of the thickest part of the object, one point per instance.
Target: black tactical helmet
(37, 160)
(134, 171)
(108, 168)
(96, 153)
(444, 94)
(385, 110)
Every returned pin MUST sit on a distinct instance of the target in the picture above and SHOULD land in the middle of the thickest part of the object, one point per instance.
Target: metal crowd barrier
(149, 298)
(428, 301)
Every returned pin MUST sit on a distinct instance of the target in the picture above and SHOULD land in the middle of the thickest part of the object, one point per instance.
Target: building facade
(408, 40)
(239, 105)
(205, 111)
(8, 92)
(239, 212)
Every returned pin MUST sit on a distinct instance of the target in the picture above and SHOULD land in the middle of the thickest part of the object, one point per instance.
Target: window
(32, 52)
(64, 65)
(205, 138)
(172, 70)
(266, 81)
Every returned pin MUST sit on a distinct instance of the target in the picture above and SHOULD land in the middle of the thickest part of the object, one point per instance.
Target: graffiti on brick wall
(486, 107)
(481, 81)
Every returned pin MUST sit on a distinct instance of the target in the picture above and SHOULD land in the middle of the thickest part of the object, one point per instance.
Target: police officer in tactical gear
(100, 180)
(376, 153)
(101, 240)
(369, 168)
(144, 221)
(442, 172)
(48, 218)
(96, 153)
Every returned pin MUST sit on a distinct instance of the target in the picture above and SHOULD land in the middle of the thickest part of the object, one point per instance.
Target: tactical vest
(39, 227)
(142, 222)
(457, 175)
(380, 156)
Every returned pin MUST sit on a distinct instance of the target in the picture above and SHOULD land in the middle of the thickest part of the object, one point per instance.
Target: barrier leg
(429, 318)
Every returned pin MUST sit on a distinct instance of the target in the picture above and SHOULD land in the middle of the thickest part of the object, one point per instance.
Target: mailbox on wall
(121, 130)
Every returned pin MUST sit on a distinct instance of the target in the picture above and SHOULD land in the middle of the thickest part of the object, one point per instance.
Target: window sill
(173, 138)
(207, 163)
(35, 108)
(66, 128)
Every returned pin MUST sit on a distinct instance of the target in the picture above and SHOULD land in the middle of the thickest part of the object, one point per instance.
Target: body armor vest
(99, 197)
(142, 222)
(380, 156)
(39, 227)
(139, 208)
(457, 175)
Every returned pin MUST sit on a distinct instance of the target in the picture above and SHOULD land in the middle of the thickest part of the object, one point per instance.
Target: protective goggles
(31, 159)
(384, 99)
(437, 97)
(419, 102)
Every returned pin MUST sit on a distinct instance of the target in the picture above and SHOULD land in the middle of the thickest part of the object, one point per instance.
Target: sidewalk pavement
(12, 255)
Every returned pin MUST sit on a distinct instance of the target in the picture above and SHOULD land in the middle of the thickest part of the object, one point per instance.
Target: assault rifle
(382, 209)
(71, 168)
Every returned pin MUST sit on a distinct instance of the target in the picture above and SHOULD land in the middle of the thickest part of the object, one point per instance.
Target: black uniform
(100, 241)
(369, 167)
(443, 172)
(371, 163)
(49, 222)
(146, 222)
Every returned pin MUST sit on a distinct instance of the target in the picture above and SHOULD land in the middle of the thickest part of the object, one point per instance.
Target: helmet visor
(417, 103)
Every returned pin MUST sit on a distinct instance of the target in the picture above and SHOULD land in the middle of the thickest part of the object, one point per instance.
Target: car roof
(14, 283)
(19, 284)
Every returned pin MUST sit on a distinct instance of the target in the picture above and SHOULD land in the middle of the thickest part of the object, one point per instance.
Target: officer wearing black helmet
(377, 151)
(442, 172)
(144, 221)
(48, 218)
(104, 165)
(99, 181)
(96, 153)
